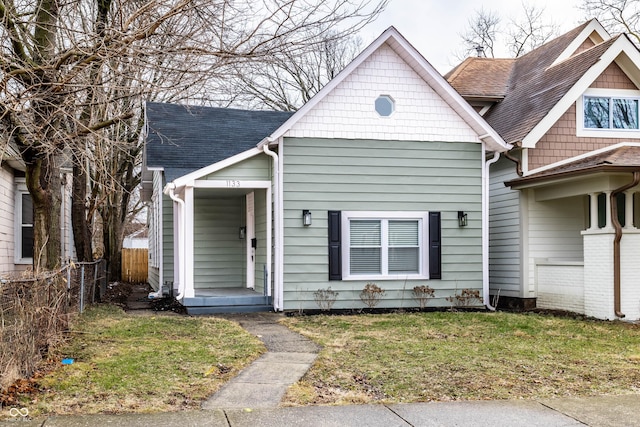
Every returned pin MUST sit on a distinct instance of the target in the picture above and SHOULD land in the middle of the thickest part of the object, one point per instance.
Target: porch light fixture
(242, 232)
(306, 217)
(462, 219)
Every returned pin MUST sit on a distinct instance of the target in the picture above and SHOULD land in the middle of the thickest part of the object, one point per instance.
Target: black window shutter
(435, 246)
(335, 246)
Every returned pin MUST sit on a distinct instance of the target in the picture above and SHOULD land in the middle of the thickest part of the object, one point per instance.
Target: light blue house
(380, 178)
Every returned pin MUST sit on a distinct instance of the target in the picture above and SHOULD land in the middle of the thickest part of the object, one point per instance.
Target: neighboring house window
(609, 113)
(24, 226)
(379, 245)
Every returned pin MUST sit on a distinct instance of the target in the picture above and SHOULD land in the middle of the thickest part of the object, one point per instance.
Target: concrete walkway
(264, 383)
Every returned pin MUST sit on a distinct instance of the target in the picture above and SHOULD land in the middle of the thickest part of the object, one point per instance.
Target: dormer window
(608, 113)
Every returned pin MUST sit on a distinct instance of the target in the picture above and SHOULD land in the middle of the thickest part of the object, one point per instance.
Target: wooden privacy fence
(135, 265)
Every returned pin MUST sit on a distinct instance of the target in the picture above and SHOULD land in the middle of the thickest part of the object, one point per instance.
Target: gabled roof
(482, 78)
(535, 89)
(181, 139)
(424, 69)
(622, 157)
(540, 85)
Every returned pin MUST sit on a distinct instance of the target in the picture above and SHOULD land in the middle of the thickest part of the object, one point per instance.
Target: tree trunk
(44, 184)
(80, 223)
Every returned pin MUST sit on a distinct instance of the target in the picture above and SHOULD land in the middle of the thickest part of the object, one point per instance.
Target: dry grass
(127, 363)
(464, 356)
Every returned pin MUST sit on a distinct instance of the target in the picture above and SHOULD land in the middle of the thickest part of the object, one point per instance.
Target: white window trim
(423, 217)
(20, 189)
(605, 133)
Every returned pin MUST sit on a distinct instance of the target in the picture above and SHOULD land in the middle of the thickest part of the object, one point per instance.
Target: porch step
(227, 304)
(229, 309)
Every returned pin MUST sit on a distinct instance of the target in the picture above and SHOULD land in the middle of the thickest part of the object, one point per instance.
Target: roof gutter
(616, 241)
(169, 191)
(486, 298)
(278, 292)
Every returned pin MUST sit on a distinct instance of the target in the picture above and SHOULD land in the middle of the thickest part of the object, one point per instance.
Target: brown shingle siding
(613, 78)
(561, 142)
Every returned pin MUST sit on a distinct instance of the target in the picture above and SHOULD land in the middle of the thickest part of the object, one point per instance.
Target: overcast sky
(434, 26)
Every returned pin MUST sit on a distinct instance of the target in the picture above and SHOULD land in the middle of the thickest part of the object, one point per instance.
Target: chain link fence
(35, 310)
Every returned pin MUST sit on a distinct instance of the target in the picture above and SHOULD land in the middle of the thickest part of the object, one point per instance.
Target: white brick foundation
(598, 275)
(630, 275)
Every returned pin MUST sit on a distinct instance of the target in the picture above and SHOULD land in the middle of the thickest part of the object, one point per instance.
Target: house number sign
(233, 183)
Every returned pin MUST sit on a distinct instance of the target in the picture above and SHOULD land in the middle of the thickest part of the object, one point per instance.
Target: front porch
(574, 264)
(226, 233)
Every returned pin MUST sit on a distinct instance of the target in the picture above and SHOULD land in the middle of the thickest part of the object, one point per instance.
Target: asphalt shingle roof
(618, 159)
(531, 85)
(182, 139)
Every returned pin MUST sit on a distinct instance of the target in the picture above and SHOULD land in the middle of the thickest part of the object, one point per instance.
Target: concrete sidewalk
(605, 411)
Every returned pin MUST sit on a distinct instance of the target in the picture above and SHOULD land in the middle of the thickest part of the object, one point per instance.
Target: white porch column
(628, 210)
(189, 291)
(593, 210)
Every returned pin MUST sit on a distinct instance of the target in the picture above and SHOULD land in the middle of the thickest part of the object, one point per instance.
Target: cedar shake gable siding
(561, 142)
(535, 89)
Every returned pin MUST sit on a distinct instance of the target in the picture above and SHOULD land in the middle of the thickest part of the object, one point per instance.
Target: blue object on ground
(67, 361)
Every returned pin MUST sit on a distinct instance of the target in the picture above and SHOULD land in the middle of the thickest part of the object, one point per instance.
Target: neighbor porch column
(189, 291)
(628, 210)
(593, 210)
(608, 223)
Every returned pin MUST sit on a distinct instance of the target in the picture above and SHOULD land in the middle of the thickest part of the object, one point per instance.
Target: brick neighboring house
(565, 202)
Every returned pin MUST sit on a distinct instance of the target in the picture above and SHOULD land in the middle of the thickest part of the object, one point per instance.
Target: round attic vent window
(385, 105)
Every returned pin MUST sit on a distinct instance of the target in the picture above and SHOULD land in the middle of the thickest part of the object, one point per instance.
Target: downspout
(181, 238)
(616, 241)
(276, 227)
(485, 231)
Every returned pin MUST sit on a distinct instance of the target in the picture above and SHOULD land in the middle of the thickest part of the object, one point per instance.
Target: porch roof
(182, 138)
(619, 158)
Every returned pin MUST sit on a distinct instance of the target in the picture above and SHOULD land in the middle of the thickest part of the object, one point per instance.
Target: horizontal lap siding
(555, 228)
(7, 204)
(255, 168)
(504, 232)
(360, 175)
(218, 252)
(167, 239)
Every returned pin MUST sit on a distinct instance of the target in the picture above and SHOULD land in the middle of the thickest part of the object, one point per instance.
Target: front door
(251, 241)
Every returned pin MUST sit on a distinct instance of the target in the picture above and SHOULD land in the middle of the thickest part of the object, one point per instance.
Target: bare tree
(617, 16)
(288, 81)
(74, 75)
(483, 29)
(530, 31)
(486, 36)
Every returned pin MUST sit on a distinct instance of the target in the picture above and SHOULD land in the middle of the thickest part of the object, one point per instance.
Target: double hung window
(384, 244)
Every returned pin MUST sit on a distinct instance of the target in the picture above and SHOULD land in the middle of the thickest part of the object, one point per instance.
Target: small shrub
(371, 294)
(465, 298)
(325, 298)
(423, 294)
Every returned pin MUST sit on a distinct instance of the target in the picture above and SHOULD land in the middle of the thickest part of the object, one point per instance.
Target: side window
(24, 226)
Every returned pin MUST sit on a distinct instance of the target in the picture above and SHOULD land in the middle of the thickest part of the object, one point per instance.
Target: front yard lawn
(129, 363)
(458, 356)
